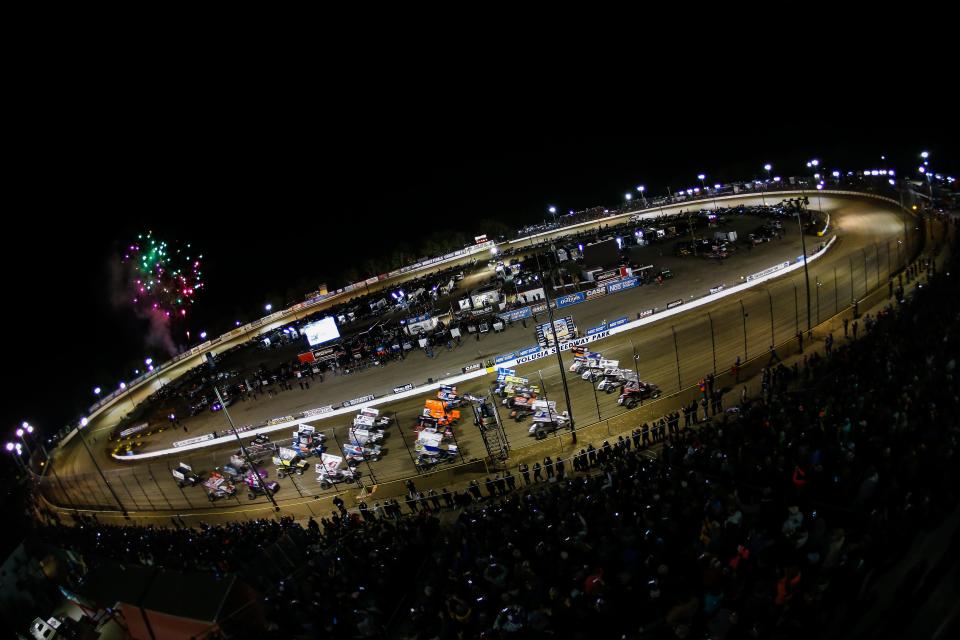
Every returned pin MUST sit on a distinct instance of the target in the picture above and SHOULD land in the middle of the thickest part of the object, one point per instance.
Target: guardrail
(262, 323)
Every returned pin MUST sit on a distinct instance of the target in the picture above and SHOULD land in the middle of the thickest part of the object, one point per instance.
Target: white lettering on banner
(716, 289)
(766, 272)
(405, 387)
(350, 403)
(183, 443)
(135, 429)
(472, 367)
(675, 303)
(318, 411)
(644, 314)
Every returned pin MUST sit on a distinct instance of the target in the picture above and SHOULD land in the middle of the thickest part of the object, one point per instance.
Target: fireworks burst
(164, 279)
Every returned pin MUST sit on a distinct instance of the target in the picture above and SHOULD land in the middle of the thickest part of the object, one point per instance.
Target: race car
(635, 392)
(330, 473)
(289, 462)
(307, 442)
(370, 418)
(357, 453)
(185, 476)
(258, 487)
(520, 407)
(261, 438)
(449, 396)
(218, 487)
(614, 379)
(430, 451)
(436, 409)
(365, 436)
(547, 421)
(429, 422)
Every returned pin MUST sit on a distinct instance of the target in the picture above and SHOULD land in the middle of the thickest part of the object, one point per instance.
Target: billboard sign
(321, 331)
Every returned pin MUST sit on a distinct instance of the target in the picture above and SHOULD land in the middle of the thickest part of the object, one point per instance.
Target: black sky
(280, 198)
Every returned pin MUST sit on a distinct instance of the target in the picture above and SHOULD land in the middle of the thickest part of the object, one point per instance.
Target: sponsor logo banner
(766, 272)
(505, 357)
(360, 400)
(594, 330)
(183, 443)
(571, 299)
(318, 411)
(593, 294)
(472, 367)
(405, 387)
(645, 313)
(529, 350)
(618, 322)
(675, 303)
(516, 314)
(134, 429)
(716, 289)
(622, 285)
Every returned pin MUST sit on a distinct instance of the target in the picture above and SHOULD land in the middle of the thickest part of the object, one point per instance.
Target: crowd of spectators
(771, 519)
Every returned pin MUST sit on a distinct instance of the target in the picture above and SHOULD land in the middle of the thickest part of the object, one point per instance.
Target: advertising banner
(529, 350)
(675, 303)
(594, 330)
(472, 367)
(571, 299)
(516, 314)
(622, 285)
(405, 387)
(766, 272)
(593, 294)
(317, 411)
(360, 400)
(505, 357)
(618, 322)
(129, 431)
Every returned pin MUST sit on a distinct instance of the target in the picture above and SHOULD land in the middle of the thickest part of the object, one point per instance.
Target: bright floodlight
(836, 174)
(815, 162)
(123, 385)
(25, 424)
(203, 335)
(83, 422)
(9, 446)
(96, 390)
(768, 167)
(150, 368)
(924, 155)
(19, 433)
(923, 170)
(776, 178)
(641, 188)
(148, 361)
(268, 306)
(716, 186)
(701, 176)
(891, 182)
(629, 196)
(819, 187)
(552, 209)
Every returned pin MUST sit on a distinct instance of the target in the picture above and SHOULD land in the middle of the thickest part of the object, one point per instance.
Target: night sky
(280, 201)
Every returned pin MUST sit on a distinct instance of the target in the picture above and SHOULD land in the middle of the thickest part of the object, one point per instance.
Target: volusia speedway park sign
(521, 356)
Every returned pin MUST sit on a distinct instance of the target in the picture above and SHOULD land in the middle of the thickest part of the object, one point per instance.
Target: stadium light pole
(553, 331)
(83, 439)
(28, 429)
(798, 205)
(763, 192)
(642, 189)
